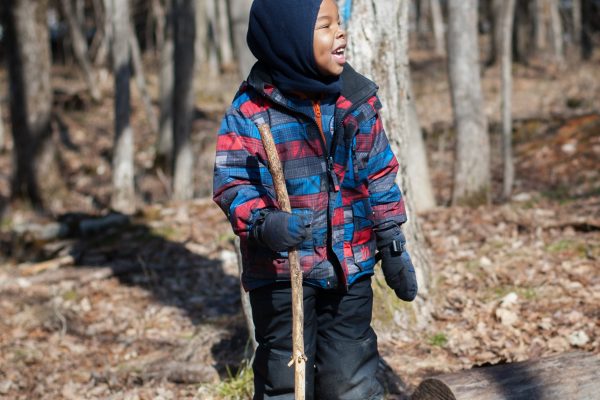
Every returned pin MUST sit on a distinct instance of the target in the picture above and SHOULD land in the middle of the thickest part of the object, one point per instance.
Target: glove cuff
(257, 224)
(388, 232)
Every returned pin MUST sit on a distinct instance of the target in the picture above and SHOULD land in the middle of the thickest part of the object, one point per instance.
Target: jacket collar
(356, 88)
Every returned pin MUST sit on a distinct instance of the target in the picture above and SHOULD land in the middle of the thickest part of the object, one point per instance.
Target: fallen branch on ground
(563, 376)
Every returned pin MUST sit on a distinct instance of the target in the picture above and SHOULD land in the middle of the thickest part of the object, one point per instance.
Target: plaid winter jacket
(345, 190)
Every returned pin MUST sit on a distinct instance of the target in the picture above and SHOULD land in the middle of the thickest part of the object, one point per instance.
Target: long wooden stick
(298, 357)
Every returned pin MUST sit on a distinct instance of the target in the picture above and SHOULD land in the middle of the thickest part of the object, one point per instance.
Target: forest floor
(137, 309)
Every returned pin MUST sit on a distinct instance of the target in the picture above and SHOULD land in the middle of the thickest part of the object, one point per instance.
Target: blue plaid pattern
(344, 188)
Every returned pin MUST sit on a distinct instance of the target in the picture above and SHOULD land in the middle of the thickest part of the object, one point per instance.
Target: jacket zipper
(328, 158)
(332, 177)
(319, 120)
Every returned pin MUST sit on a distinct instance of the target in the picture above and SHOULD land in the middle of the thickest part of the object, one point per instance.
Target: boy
(339, 171)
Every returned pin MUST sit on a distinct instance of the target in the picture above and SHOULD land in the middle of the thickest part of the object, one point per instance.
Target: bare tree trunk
(80, 48)
(417, 168)
(496, 39)
(164, 149)
(99, 17)
(472, 156)
(204, 27)
(240, 13)
(150, 29)
(523, 43)
(437, 21)
(104, 47)
(123, 197)
(183, 102)
(576, 22)
(587, 46)
(158, 14)
(508, 16)
(541, 22)
(31, 93)
(378, 48)
(160, 21)
(225, 42)
(557, 32)
(212, 39)
(80, 15)
(422, 17)
(140, 79)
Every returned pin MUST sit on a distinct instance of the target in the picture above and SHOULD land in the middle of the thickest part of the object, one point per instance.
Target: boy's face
(329, 40)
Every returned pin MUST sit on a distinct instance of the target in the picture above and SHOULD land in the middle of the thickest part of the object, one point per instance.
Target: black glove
(395, 262)
(280, 230)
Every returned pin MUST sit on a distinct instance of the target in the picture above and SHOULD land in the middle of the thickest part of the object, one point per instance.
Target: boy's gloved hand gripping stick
(298, 357)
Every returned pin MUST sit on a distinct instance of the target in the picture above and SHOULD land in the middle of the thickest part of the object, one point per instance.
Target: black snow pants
(339, 342)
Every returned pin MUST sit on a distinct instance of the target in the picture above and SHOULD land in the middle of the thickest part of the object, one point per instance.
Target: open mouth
(339, 54)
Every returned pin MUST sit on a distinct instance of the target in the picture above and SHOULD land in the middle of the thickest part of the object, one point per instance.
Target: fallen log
(568, 376)
(28, 269)
(71, 227)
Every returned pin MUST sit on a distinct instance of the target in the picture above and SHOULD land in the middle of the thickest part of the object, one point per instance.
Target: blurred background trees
(179, 51)
(26, 41)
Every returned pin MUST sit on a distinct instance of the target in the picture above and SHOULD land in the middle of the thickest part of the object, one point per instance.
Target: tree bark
(204, 44)
(30, 92)
(541, 22)
(104, 46)
(140, 79)
(472, 156)
(99, 17)
(576, 13)
(523, 32)
(212, 38)
(240, 14)
(225, 43)
(419, 17)
(562, 376)
(496, 7)
(416, 162)
(508, 14)
(183, 102)
(378, 48)
(557, 32)
(437, 22)
(123, 197)
(80, 48)
(159, 16)
(587, 46)
(164, 149)
(80, 15)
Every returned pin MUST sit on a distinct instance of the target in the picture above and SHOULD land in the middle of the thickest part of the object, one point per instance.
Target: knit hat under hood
(280, 35)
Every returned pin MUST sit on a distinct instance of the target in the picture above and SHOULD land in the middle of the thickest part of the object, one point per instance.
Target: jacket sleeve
(242, 183)
(385, 196)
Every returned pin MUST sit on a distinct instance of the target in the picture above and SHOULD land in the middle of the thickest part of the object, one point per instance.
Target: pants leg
(346, 356)
(272, 315)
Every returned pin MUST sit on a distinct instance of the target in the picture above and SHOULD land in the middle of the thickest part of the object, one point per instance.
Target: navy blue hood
(280, 35)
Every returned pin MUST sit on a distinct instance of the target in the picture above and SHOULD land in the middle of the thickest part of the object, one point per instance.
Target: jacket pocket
(363, 239)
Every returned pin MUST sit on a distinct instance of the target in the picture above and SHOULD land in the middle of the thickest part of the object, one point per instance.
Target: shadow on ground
(137, 255)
